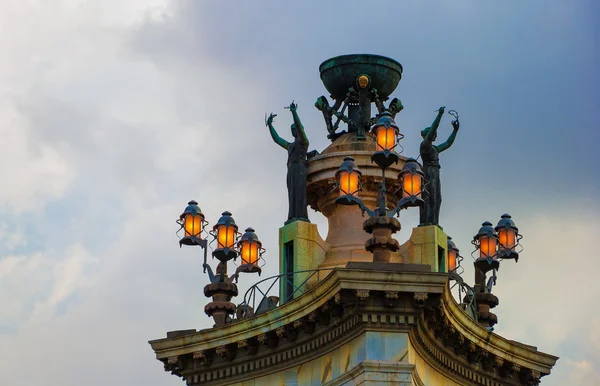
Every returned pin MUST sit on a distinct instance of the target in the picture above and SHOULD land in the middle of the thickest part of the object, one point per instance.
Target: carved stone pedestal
(382, 244)
(485, 301)
(221, 307)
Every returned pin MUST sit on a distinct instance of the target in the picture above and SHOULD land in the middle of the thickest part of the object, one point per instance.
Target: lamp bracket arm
(363, 207)
(236, 275)
(402, 204)
(211, 276)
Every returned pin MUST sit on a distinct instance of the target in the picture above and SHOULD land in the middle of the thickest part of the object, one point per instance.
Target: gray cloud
(113, 116)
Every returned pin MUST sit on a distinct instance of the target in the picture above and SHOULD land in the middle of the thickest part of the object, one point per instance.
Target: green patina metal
(340, 73)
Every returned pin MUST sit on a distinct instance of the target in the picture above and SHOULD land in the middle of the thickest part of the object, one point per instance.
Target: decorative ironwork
(466, 295)
(260, 298)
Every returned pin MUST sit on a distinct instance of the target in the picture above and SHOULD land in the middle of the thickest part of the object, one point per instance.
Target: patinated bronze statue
(430, 212)
(296, 165)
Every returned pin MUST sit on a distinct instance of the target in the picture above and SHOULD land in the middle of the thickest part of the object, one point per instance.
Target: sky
(113, 115)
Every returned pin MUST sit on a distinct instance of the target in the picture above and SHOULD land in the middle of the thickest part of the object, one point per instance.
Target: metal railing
(466, 295)
(273, 291)
(277, 290)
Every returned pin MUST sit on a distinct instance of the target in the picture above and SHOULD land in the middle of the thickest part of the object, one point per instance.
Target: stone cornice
(348, 302)
(289, 313)
(468, 353)
(511, 351)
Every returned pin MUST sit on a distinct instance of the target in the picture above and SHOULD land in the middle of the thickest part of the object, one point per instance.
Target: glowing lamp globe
(486, 241)
(412, 180)
(348, 178)
(225, 233)
(251, 251)
(192, 222)
(454, 257)
(508, 237)
(386, 135)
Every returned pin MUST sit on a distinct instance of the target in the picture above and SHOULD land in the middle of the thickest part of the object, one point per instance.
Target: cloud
(113, 116)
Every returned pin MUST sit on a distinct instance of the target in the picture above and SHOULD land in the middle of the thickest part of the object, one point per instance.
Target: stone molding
(406, 372)
(340, 278)
(454, 350)
(344, 305)
(527, 357)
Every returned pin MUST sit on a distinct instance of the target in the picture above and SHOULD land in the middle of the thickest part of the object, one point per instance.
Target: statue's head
(425, 131)
(294, 130)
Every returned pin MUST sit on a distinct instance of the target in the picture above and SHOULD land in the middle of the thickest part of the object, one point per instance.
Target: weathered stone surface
(396, 267)
(177, 333)
(306, 333)
(381, 222)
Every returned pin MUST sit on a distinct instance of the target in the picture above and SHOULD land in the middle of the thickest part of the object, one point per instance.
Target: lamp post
(492, 245)
(381, 222)
(229, 246)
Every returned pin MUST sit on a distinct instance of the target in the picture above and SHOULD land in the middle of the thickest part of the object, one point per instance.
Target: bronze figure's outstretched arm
(451, 138)
(301, 133)
(434, 126)
(278, 140)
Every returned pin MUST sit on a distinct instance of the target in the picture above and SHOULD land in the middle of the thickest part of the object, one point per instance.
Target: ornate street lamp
(386, 135)
(225, 233)
(454, 257)
(411, 181)
(251, 252)
(494, 245)
(508, 237)
(348, 177)
(381, 222)
(193, 223)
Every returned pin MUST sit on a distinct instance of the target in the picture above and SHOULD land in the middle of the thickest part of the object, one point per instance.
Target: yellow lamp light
(225, 231)
(251, 249)
(487, 247)
(225, 236)
(454, 257)
(192, 222)
(348, 176)
(508, 237)
(386, 138)
(411, 177)
(486, 240)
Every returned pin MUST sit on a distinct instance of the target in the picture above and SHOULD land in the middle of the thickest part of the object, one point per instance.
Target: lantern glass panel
(192, 224)
(508, 238)
(451, 260)
(348, 183)
(386, 138)
(411, 185)
(249, 252)
(225, 236)
(487, 247)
